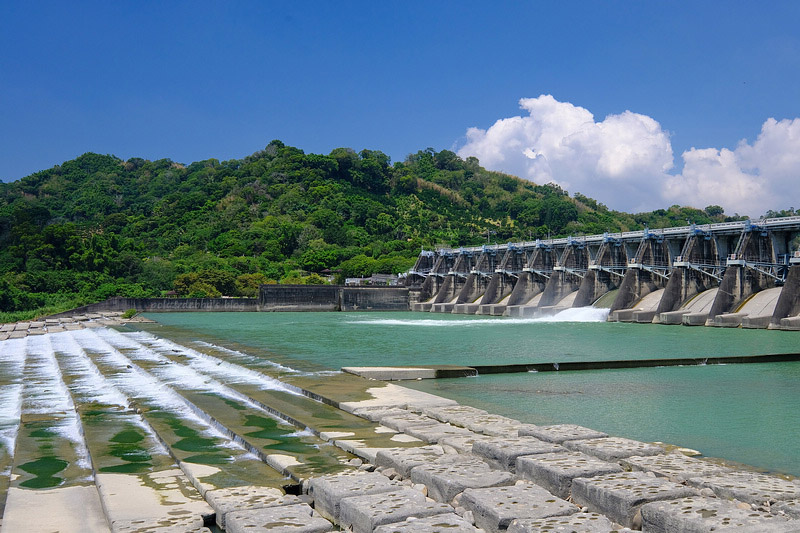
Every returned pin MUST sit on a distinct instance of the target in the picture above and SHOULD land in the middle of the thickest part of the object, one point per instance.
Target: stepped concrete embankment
(143, 434)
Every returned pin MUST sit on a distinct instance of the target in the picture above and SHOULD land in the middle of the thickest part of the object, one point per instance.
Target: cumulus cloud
(750, 179)
(625, 159)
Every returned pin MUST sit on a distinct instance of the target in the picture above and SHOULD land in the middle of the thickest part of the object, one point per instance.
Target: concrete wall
(155, 305)
(332, 298)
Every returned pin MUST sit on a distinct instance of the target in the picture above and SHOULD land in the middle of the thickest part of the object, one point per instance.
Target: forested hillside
(98, 226)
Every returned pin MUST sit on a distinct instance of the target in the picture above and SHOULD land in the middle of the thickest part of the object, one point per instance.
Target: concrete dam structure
(744, 273)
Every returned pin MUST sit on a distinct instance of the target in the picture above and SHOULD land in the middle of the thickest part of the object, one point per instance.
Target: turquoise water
(745, 413)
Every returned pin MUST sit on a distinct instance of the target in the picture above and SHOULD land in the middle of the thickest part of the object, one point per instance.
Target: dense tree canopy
(98, 226)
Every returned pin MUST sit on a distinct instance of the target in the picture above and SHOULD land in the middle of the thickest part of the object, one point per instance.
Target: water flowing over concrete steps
(157, 436)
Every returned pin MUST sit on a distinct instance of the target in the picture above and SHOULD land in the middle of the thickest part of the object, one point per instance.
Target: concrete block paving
(502, 452)
(556, 471)
(494, 509)
(620, 496)
(284, 519)
(560, 433)
(449, 476)
(699, 515)
(363, 514)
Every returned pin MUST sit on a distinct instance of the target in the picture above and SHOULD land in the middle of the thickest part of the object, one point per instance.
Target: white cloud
(624, 160)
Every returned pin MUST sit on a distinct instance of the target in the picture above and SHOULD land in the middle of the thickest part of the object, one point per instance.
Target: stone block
(790, 508)
(230, 499)
(451, 475)
(437, 432)
(555, 471)
(729, 320)
(464, 443)
(622, 315)
(559, 433)
(694, 319)
(673, 466)
(171, 525)
(404, 459)
(406, 420)
(613, 448)
(495, 508)
(672, 317)
(359, 448)
(620, 496)
(791, 323)
(364, 513)
(465, 309)
(329, 491)
(756, 322)
(450, 413)
(750, 487)
(284, 519)
(502, 452)
(442, 523)
(575, 523)
(644, 317)
(489, 424)
(700, 515)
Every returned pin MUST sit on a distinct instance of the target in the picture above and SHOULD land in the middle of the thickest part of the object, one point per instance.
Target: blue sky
(196, 80)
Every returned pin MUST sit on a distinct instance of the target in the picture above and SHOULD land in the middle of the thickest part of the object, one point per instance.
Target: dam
(178, 426)
(733, 274)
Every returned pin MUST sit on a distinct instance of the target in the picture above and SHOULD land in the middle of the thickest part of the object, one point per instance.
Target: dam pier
(729, 274)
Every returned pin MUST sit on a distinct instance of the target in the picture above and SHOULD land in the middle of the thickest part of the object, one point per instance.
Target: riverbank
(231, 438)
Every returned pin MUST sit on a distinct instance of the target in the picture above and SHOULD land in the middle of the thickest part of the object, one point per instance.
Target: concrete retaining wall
(332, 298)
(156, 305)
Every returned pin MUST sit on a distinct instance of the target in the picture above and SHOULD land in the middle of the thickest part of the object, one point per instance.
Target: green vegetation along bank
(96, 226)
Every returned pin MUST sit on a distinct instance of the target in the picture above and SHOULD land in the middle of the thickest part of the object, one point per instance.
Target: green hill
(98, 226)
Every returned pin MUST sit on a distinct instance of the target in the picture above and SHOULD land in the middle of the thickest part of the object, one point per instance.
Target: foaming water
(577, 314)
(140, 385)
(45, 391)
(12, 363)
(10, 411)
(237, 353)
(228, 372)
(89, 383)
(445, 321)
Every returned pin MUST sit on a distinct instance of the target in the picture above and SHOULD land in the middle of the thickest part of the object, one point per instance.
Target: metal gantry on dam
(744, 273)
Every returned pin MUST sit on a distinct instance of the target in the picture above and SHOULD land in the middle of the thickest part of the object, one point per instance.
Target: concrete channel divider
(401, 373)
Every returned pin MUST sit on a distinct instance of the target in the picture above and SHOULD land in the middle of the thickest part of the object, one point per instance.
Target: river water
(747, 413)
